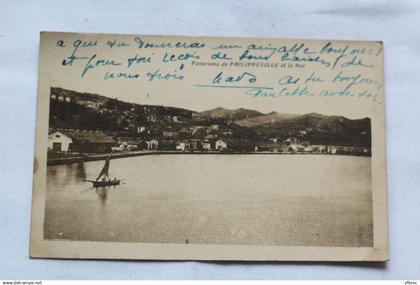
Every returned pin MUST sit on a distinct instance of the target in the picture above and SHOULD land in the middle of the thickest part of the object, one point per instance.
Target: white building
(152, 144)
(59, 141)
(293, 148)
(182, 146)
(206, 145)
(60, 98)
(140, 129)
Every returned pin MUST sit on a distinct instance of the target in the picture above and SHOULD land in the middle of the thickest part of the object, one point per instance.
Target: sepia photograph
(120, 171)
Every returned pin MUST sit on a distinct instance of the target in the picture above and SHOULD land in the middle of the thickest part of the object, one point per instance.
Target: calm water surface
(308, 200)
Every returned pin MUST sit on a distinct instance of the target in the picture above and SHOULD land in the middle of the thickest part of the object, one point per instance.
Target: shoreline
(96, 157)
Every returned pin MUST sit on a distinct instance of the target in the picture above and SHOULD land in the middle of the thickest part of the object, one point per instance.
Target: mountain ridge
(231, 114)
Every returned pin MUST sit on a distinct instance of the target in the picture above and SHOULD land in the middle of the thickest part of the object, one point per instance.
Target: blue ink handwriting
(138, 59)
(92, 63)
(186, 45)
(245, 76)
(158, 75)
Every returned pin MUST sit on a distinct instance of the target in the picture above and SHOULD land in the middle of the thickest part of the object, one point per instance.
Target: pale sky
(203, 99)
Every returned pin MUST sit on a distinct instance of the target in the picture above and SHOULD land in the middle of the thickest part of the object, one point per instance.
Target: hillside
(80, 97)
(86, 111)
(262, 119)
(71, 109)
(313, 127)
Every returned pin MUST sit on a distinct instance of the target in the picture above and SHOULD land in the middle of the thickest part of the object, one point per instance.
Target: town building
(140, 129)
(206, 144)
(152, 118)
(167, 145)
(60, 98)
(195, 145)
(235, 145)
(142, 145)
(169, 134)
(59, 141)
(293, 148)
(238, 145)
(184, 134)
(196, 117)
(128, 144)
(220, 145)
(271, 147)
(182, 145)
(211, 136)
(152, 144)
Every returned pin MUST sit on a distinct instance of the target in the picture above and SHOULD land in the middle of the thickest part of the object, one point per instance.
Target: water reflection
(313, 200)
(102, 194)
(52, 173)
(80, 171)
(70, 174)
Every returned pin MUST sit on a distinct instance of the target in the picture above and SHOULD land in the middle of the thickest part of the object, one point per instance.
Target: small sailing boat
(106, 180)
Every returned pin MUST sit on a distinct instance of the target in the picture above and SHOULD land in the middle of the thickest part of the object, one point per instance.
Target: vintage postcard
(200, 148)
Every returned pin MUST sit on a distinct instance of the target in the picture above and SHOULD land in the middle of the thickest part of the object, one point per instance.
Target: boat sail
(106, 180)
